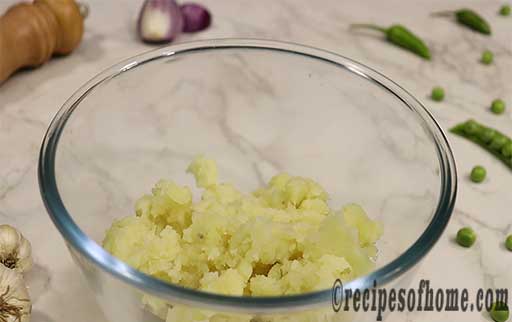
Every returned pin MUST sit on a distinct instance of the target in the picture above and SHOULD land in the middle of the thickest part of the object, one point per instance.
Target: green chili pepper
(401, 36)
(470, 19)
(474, 21)
(488, 138)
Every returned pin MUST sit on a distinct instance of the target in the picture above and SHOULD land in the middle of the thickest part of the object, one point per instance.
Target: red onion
(160, 21)
(195, 16)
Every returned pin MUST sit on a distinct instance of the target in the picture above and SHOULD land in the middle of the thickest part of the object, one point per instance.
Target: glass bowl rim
(80, 242)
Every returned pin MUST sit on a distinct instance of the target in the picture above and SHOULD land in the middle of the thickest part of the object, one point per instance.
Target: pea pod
(470, 19)
(402, 37)
(493, 141)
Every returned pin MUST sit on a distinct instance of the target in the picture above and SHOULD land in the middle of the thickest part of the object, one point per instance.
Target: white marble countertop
(29, 100)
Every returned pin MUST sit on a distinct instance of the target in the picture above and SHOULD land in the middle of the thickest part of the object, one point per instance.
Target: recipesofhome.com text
(422, 298)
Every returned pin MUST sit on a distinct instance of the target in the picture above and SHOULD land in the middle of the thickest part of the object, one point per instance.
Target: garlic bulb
(15, 250)
(15, 305)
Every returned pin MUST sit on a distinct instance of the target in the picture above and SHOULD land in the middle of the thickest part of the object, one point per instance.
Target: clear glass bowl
(257, 107)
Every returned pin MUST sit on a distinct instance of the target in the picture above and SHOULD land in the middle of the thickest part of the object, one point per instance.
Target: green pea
(487, 57)
(471, 127)
(508, 243)
(498, 106)
(499, 312)
(466, 237)
(478, 174)
(498, 142)
(505, 10)
(486, 135)
(437, 94)
(506, 150)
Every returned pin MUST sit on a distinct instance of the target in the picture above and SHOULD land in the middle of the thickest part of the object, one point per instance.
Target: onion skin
(160, 21)
(195, 17)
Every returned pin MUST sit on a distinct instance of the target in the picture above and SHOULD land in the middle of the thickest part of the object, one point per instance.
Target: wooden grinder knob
(30, 33)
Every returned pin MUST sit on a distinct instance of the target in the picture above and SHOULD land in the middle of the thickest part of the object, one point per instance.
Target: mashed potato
(282, 239)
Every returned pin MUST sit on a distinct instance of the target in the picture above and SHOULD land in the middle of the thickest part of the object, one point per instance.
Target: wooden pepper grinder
(30, 33)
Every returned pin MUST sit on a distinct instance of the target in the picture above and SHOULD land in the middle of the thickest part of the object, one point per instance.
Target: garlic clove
(24, 256)
(15, 250)
(159, 21)
(15, 304)
(9, 239)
